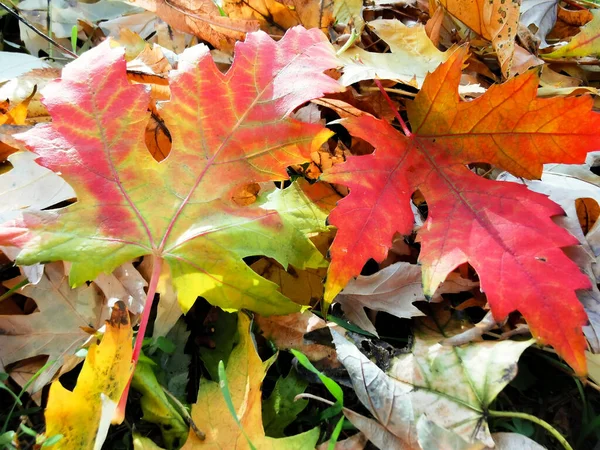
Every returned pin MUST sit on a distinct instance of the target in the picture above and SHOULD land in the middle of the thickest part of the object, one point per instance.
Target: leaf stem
(391, 103)
(13, 289)
(542, 423)
(139, 340)
(156, 270)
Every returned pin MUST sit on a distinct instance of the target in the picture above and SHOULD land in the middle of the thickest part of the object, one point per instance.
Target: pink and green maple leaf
(228, 130)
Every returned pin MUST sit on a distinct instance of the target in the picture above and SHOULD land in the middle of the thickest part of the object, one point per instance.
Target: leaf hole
(419, 201)
(588, 212)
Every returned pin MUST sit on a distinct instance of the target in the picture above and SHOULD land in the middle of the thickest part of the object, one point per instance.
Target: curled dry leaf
(542, 14)
(287, 332)
(393, 290)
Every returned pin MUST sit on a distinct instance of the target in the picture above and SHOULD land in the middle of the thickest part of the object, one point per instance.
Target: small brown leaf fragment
(245, 195)
(157, 136)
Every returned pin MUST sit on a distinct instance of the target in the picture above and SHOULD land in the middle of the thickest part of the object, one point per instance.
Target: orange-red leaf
(504, 231)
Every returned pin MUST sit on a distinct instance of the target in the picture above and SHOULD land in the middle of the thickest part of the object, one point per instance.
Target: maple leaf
(503, 230)
(452, 386)
(228, 130)
(83, 415)
(245, 372)
(412, 55)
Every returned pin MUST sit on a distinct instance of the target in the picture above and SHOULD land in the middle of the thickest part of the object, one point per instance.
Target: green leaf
(280, 409)
(157, 408)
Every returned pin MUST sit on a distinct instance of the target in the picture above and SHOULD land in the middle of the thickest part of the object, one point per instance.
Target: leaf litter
(450, 367)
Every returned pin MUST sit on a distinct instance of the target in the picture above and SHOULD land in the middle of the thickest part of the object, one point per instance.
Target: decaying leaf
(540, 13)
(56, 329)
(287, 332)
(452, 386)
(470, 218)
(245, 372)
(276, 16)
(180, 210)
(84, 415)
(201, 19)
(393, 289)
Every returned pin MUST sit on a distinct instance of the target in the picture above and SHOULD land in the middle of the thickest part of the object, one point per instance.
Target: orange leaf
(494, 20)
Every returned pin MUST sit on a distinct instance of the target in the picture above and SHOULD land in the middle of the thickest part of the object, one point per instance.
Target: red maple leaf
(503, 230)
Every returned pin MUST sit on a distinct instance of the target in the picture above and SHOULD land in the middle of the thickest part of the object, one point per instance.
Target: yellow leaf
(245, 373)
(18, 114)
(586, 43)
(83, 416)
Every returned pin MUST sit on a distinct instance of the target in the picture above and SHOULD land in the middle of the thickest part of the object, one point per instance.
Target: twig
(185, 414)
(27, 24)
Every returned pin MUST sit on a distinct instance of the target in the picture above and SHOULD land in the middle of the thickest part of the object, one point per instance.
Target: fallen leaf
(83, 415)
(506, 127)
(201, 19)
(17, 114)
(30, 186)
(191, 220)
(510, 441)
(540, 13)
(245, 372)
(393, 290)
(157, 408)
(287, 332)
(586, 43)
(452, 386)
(412, 56)
(125, 284)
(565, 184)
(56, 329)
(16, 64)
(277, 16)
(494, 20)
(281, 408)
